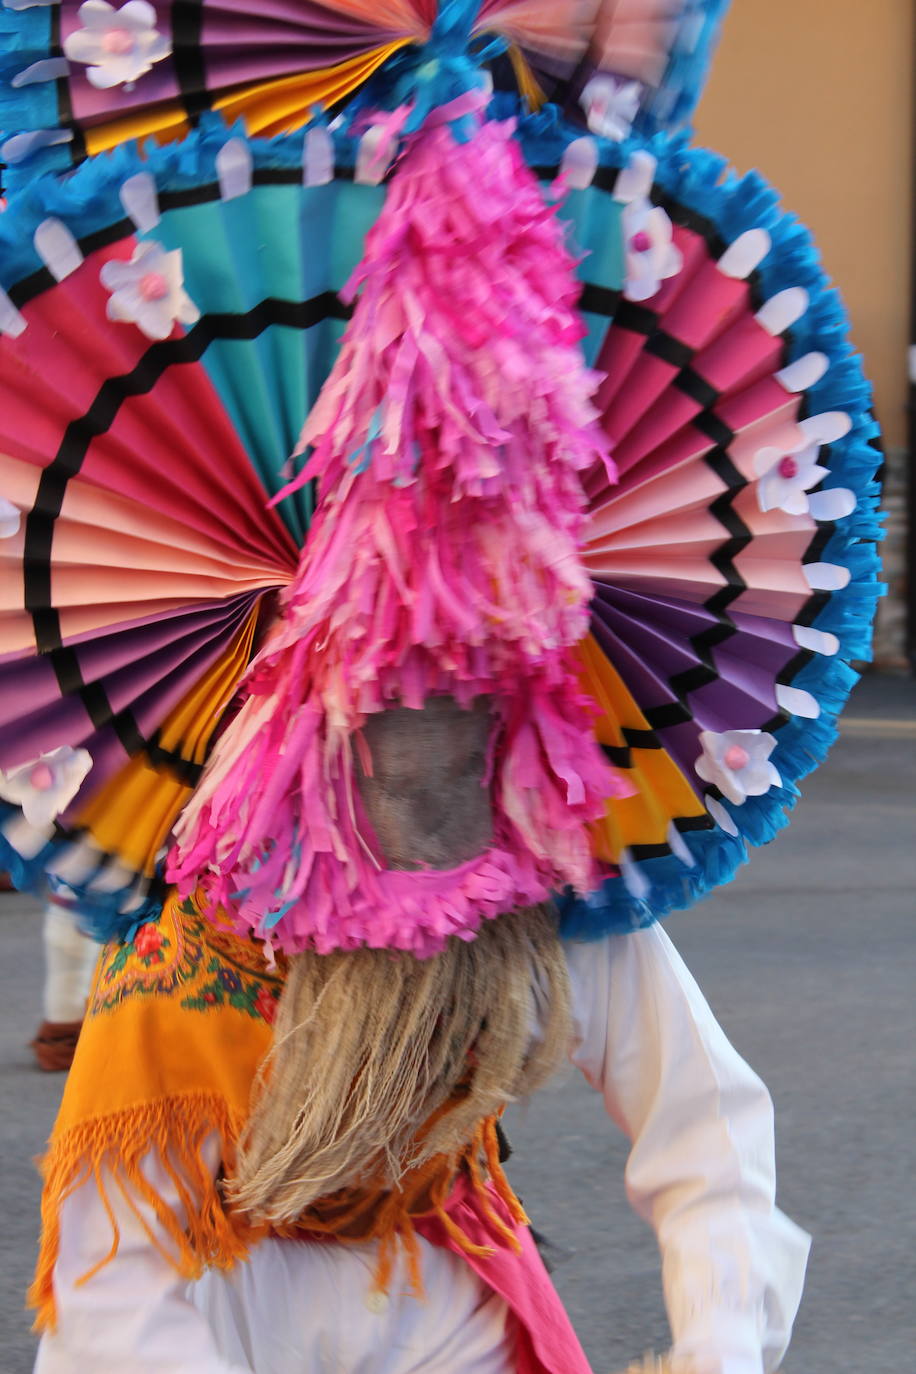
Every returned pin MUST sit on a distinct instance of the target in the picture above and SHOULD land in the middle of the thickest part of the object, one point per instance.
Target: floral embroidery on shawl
(182, 950)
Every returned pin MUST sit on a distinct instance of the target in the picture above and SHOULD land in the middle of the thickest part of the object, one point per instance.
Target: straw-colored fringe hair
(370, 1045)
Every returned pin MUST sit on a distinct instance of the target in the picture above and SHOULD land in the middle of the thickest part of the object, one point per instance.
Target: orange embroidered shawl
(178, 1023)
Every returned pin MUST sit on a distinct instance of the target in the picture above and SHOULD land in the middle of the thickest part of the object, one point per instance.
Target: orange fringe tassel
(356, 1215)
(110, 1149)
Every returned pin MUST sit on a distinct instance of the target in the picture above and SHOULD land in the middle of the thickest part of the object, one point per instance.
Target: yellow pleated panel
(132, 815)
(663, 793)
(528, 86)
(166, 123)
(278, 106)
(267, 107)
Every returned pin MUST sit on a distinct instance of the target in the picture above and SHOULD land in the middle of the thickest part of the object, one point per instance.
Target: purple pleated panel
(229, 68)
(149, 689)
(684, 618)
(293, 12)
(668, 653)
(648, 640)
(35, 680)
(648, 688)
(65, 721)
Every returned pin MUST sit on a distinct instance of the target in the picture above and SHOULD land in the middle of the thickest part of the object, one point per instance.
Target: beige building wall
(818, 95)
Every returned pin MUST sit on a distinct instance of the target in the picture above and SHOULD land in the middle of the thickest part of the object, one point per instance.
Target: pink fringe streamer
(443, 558)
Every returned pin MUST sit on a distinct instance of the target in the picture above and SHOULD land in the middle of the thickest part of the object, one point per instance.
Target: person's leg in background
(70, 959)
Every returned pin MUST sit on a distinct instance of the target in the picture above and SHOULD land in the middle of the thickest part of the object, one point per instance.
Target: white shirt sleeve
(133, 1314)
(701, 1169)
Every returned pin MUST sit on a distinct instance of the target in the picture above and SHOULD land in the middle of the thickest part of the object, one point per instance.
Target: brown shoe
(55, 1045)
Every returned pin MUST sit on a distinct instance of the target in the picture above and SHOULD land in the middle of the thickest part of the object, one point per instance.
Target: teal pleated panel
(237, 255)
(596, 234)
(287, 243)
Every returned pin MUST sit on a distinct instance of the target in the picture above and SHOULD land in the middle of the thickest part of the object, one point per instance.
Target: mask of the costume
(423, 783)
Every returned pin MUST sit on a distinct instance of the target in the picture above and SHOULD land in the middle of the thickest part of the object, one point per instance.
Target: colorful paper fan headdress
(80, 78)
(634, 513)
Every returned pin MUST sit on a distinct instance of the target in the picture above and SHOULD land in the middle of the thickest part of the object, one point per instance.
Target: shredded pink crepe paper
(448, 443)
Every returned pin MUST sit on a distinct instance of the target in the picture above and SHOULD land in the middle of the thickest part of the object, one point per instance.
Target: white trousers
(310, 1307)
(70, 960)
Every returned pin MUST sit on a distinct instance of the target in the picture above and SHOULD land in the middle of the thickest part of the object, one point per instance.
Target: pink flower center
(154, 287)
(41, 777)
(641, 243)
(736, 758)
(118, 42)
(788, 467)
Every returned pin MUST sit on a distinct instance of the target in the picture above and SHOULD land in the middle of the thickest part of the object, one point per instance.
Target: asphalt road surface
(809, 961)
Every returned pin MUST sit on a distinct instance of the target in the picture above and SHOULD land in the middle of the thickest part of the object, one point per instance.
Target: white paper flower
(118, 46)
(10, 519)
(46, 786)
(651, 255)
(611, 105)
(738, 763)
(787, 476)
(149, 290)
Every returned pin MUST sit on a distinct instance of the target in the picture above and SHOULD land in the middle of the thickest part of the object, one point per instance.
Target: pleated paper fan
(77, 79)
(734, 562)
(721, 631)
(145, 565)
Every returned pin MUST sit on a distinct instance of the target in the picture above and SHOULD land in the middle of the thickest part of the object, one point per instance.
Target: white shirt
(700, 1171)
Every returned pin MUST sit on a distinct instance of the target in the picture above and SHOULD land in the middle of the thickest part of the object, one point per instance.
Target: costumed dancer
(378, 831)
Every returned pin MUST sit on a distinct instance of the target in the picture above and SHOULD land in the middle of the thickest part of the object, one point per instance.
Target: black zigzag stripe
(80, 433)
(65, 120)
(41, 280)
(188, 57)
(21, 292)
(807, 616)
(690, 219)
(702, 673)
(599, 300)
(641, 739)
(697, 388)
(684, 825)
(643, 320)
(618, 755)
(669, 349)
(638, 319)
(621, 755)
(605, 178)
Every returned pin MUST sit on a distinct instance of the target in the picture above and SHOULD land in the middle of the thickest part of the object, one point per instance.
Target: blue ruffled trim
(88, 199)
(25, 38)
(688, 65)
(700, 181)
(33, 106)
(99, 914)
(53, 160)
(614, 910)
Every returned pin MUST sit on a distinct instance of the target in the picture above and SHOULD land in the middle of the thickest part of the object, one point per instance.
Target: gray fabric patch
(427, 799)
